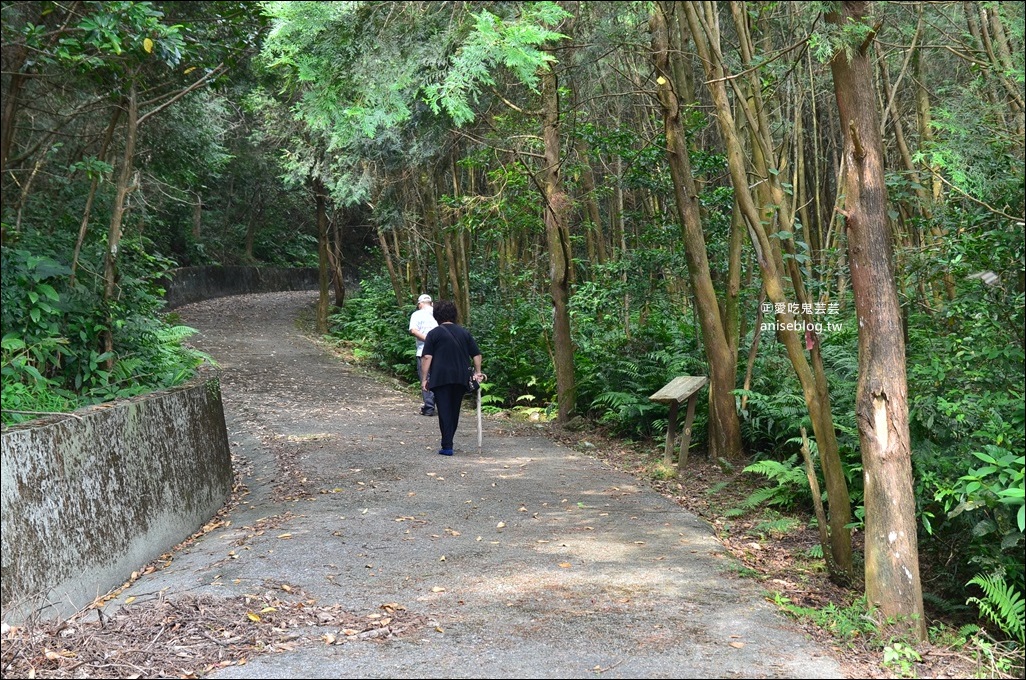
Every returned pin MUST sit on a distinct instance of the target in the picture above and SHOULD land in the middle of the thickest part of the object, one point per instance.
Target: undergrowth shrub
(52, 332)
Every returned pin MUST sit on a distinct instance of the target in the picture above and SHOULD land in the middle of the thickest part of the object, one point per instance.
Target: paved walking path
(523, 560)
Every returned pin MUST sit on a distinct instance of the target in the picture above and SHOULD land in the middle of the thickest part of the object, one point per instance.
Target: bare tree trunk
(724, 426)
(732, 316)
(465, 278)
(255, 214)
(117, 217)
(704, 26)
(392, 275)
(434, 232)
(321, 201)
(995, 43)
(335, 259)
(619, 244)
(197, 217)
(881, 403)
(453, 269)
(108, 136)
(557, 203)
(596, 235)
(12, 99)
(458, 277)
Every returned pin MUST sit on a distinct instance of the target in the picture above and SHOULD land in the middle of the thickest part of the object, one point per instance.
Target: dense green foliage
(51, 357)
(201, 192)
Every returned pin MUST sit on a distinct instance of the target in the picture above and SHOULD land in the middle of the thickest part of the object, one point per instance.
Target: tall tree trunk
(557, 204)
(465, 275)
(701, 18)
(435, 234)
(995, 42)
(197, 217)
(731, 303)
(724, 426)
(321, 201)
(386, 252)
(619, 240)
(881, 403)
(253, 220)
(117, 217)
(336, 260)
(108, 137)
(17, 59)
(458, 275)
(452, 266)
(596, 234)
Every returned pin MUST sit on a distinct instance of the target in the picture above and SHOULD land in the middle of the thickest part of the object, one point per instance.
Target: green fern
(766, 495)
(778, 527)
(1002, 604)
(773, 417)
(717, 488)
(790, 486)
(173, 335)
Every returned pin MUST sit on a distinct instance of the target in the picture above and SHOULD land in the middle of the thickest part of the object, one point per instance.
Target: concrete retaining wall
(192, 284)
(89, 498)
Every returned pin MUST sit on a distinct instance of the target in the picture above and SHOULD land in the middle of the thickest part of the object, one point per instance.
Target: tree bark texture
(724, 426)
(117, 217)
(557, 205)
(702, 21)
(393, 276)
(321, 201)
(892, 557)
(108, 137)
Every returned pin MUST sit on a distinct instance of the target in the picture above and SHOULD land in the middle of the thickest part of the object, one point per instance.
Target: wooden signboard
(674, 393)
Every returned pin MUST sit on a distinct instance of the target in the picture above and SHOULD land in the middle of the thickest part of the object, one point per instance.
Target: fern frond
(781, 526)
(174, 334)
(759, 497)
(773, 469)
(1002, 604)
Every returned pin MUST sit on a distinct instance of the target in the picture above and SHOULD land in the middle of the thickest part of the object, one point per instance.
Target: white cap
(424, 298)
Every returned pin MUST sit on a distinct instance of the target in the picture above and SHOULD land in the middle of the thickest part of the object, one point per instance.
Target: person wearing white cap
(421, 323)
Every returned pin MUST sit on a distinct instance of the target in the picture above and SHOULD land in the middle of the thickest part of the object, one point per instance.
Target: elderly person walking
(421, 323)
(448, 352)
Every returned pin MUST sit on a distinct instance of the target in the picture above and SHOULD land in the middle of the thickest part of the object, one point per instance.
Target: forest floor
(781, 551)
(350, 549)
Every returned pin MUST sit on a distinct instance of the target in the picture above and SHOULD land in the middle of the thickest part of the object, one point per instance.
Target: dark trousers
(448, 399)
(427, 396)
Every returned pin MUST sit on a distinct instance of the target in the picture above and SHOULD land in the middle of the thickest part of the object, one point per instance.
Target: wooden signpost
(674, 393)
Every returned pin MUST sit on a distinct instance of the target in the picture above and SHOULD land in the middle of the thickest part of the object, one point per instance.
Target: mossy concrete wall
(90, 497)
(192, 284)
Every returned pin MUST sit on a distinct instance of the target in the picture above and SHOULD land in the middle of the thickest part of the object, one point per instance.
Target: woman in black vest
(449, 350)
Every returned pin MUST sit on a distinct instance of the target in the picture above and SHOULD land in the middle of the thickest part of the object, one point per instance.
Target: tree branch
(199, 83)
